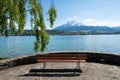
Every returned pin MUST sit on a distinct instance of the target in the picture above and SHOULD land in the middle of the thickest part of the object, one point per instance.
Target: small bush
(2, 58)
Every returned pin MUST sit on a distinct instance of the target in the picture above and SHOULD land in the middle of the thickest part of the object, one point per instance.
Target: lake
(23, 45)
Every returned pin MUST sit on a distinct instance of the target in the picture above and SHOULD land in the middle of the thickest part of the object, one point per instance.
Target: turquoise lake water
(23, 45)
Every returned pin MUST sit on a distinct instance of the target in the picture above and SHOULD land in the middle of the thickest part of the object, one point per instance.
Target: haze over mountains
(73, 26)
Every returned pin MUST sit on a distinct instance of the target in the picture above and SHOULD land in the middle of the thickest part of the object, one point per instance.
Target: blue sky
(88, 12)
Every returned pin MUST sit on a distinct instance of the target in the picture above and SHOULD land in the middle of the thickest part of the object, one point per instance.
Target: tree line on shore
(59, 32)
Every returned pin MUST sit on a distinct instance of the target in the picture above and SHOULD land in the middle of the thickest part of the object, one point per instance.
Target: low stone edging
(104, 58)
(8, 63)
(92, 57)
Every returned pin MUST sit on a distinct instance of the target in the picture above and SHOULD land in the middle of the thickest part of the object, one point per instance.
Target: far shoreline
(60, 32)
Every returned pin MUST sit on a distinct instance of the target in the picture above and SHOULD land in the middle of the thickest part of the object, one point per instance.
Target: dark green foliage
(13, 18)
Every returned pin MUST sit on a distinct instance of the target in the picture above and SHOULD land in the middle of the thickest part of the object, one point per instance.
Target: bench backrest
(59, 56)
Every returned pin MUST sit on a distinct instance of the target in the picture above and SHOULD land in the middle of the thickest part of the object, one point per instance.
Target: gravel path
(62, 71)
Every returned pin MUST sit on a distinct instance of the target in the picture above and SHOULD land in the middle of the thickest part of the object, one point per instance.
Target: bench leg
(44, 65)
(78, 65)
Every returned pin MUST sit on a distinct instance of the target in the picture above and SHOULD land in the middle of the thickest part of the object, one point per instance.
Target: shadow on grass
(53, 73)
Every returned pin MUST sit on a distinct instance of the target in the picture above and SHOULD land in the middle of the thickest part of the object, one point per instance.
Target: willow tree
(13, 15)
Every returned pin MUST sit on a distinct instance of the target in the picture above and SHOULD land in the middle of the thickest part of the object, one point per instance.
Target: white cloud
(94, 22)
(73, 18)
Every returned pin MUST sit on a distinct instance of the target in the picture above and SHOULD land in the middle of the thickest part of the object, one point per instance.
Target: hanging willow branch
(52, 15)
(13, 18)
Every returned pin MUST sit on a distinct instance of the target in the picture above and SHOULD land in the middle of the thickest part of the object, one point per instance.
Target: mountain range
(73, 26)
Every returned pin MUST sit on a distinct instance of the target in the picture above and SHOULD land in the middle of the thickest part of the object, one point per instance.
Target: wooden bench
(61, 57)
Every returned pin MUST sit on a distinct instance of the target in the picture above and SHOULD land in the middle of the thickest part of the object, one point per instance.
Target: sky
(87, 12)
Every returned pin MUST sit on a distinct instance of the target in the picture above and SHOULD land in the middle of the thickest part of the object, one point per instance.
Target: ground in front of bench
(91, 71)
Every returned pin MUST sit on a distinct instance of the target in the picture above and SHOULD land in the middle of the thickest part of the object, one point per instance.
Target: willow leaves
(13, 15)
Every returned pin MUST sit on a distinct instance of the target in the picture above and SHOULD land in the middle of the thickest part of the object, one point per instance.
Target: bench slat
(50, 60)
(58, 55)
(61, 57)
(72, 58)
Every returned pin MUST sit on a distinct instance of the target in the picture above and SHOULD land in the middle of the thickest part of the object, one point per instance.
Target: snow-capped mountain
(77, 27)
